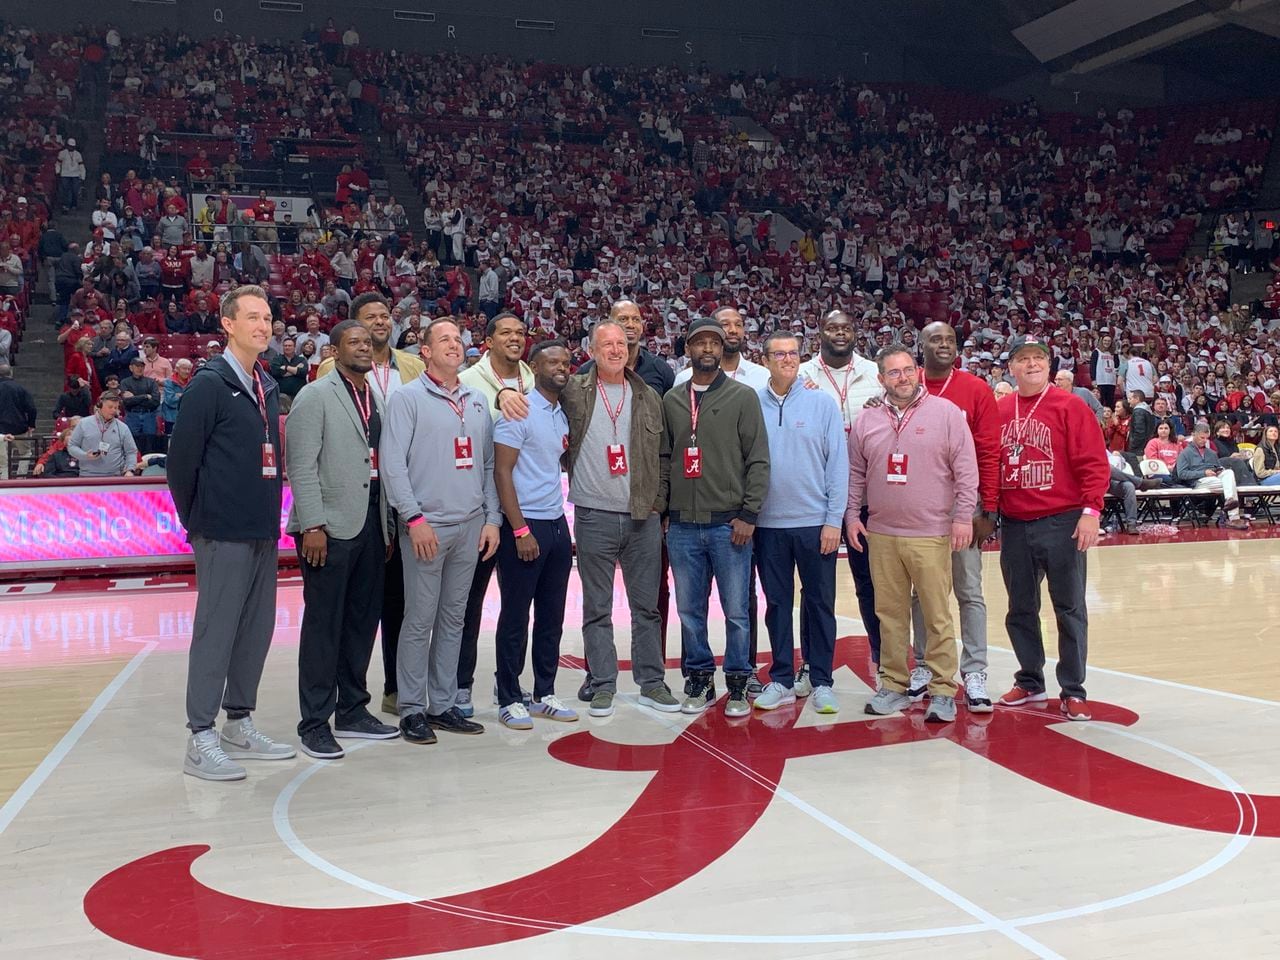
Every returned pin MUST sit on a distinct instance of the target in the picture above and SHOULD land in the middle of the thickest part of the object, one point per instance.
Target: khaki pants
(899, 564)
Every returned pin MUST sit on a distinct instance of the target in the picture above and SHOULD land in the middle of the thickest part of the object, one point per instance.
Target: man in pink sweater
(912, 462)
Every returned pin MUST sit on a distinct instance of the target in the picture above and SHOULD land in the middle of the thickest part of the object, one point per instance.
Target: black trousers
(392, 613)
(471, 622)
(343, 600)
(860, 567)
(1030, 552)
(542, 583)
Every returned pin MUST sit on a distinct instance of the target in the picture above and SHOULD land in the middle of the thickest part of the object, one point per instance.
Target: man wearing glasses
(912, 461)
(799, 526)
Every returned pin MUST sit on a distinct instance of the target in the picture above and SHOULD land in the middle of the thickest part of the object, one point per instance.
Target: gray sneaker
(242, 741)
(206, 759)
(463, 702)
(601, 704)
(802, 686)
(886, 702)
(918, 685)
(659, 698)
(824, 701)
(941, 710)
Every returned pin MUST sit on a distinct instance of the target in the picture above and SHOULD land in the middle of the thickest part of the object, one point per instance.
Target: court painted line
(27, 790)
(1233, 848)
(1172, 684)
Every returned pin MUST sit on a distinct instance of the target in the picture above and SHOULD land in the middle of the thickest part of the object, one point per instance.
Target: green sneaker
(659, 698)
(601, 704)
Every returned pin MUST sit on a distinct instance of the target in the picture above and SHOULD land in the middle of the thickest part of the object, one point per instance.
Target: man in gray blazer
(339, 520)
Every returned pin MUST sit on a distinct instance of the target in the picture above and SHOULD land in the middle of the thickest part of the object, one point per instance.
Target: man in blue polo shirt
(534, 553)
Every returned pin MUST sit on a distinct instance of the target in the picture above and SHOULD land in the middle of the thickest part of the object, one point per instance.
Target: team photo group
(418, 479)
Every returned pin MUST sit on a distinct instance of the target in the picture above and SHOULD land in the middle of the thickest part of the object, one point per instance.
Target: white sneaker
(802, 685)
(514, 716)
(206, 759)
(918, 685)
(553, 708)
(824, 700)
(775, 695)
(242, 741)
(975, 693)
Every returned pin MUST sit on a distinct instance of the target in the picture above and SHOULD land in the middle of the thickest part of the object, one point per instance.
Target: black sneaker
(754, 686)
(319, 743)
(367, 727)
(451, 721)
(414, 728)
(587, 691)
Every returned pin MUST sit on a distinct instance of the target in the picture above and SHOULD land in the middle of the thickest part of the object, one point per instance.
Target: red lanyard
(1021, 423)
(943, 391)
(262, 407)
(900, 422)
(841, 392)
(499, 383)
(695, 404)
(458, 406)
(383, 382)
(363, 407)
(604, 398)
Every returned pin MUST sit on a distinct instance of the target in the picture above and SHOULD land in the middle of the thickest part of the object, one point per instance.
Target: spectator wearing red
(175, 273)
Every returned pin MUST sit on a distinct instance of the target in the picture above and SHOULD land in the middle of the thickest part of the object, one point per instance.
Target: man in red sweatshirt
(974, 397)
(1053, 478)
(911, 461)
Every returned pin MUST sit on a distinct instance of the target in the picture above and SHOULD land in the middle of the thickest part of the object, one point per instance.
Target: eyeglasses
(785, 354)
(899, 374)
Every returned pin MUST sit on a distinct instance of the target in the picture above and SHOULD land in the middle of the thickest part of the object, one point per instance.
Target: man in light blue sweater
(799, 525)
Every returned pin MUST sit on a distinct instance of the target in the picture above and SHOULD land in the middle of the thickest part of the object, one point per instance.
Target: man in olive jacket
(714, 476)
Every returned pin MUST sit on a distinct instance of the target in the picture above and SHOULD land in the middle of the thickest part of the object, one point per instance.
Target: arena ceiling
(1231, 44)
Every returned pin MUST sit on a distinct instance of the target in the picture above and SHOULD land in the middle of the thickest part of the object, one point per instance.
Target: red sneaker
(1075, 708)
(1018, 696)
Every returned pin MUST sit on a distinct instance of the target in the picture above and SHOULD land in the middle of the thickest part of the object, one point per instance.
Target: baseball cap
(1027, 340)
(212, 343)
(71, 141)
(704, 325)
(139, 361)
(473, 352)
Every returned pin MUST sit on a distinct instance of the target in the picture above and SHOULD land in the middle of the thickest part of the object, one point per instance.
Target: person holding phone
(102, 443)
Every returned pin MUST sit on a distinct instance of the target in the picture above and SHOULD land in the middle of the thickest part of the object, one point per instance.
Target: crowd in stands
(554, 191)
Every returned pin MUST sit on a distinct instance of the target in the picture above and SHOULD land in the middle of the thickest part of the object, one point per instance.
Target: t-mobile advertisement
(77, 525)
(69, 525)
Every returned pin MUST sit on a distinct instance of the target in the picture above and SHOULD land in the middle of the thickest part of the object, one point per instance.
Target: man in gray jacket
(339, 523)
(436, 459)
(1198, 466)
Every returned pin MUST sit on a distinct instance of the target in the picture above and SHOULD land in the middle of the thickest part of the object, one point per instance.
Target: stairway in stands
(40, 367)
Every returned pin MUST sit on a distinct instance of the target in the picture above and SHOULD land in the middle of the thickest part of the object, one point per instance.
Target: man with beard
(851, 381)
(499, 372)
(391, 369)
(535, 553)
(714, 495)
(738, 368)
(339, 521)
(973, 396)
(732, 363)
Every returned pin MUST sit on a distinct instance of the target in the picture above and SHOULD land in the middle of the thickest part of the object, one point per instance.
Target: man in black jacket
(141, 396)
(224, 471)
(17, 414)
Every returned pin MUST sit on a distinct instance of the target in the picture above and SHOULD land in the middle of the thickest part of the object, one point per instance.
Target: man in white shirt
(733, 364)
(851, 381)
(70, 169)
(1139, 374)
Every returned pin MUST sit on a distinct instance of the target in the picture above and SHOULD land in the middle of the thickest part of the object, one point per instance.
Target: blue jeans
(1271, 481)
(699, 552)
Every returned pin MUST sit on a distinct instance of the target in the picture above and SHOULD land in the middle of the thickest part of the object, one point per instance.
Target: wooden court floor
(1154, 831)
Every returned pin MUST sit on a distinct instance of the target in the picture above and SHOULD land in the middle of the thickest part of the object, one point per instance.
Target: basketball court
(1153, 831)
